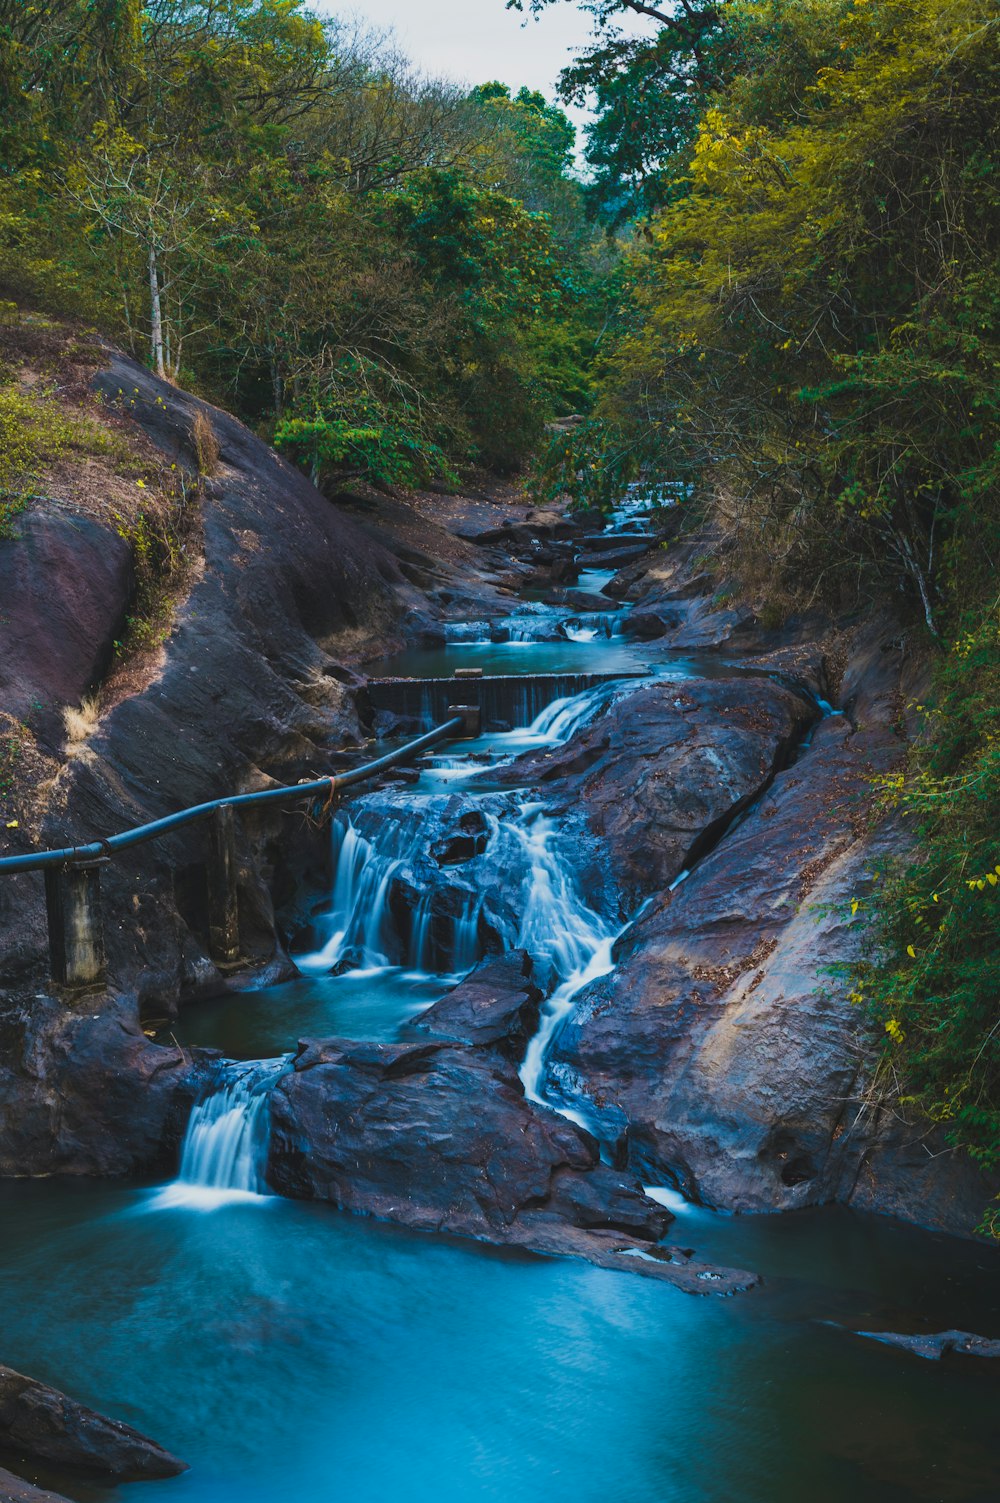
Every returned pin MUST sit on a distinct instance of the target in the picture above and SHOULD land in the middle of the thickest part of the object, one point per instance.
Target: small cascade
(561, 720)
(375, 848)
(224, 1154)
(569, 942)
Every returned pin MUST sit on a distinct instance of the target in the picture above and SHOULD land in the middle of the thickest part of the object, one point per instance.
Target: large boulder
(38, 1423)
(83, 1091)
(668, 766)
(438, 1136)
(724, 1051)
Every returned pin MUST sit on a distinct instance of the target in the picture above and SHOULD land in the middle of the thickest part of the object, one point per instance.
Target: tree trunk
(155, 315)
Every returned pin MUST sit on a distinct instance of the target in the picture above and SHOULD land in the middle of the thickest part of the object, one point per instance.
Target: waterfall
(562, 719)
(224, 1153)
(569, 942)
(373, 851)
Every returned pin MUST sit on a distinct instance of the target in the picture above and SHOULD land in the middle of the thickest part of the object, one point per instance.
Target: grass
(80, 724)
(35, 430)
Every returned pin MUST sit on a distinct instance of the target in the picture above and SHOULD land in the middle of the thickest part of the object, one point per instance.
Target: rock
(439, 1137)
(497, 1003)
(16, 1490)
(66, 583)
(86, 1093)
(646, 626)
(934, 1347)
(725, 1039)
(579, 600)
(254, 660)
(41, 1424)
(614, 558)
(667, 766)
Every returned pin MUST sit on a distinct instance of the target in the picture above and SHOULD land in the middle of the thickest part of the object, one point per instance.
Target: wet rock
(439, 1137)
(578, 600)
(38, 1423)
(88, 1094)
(468, 841)
(614, 558)
(497, 1003)
(646, 626)
(667, 766)
(16, 1490)
(934, 1347)
(725, 1037)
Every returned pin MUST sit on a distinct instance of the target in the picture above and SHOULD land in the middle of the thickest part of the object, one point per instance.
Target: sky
(474, 41)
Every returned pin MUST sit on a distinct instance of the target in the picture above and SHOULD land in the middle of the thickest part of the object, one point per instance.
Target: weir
(504, 699)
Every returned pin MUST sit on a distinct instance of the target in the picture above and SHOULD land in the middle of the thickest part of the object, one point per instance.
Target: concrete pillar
(223, 903)
(473, 718)
(76, 929)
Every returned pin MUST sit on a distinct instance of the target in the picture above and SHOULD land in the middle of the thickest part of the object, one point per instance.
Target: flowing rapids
(224, 1154)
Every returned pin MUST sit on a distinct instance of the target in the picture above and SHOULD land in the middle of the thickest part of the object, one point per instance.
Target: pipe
(39, 860)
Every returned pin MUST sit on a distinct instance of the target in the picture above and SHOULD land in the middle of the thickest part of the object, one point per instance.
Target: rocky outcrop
(723, 1051)
(438, 1136)
(85, 1092)
(286, 588)
(667, 767)
(40, 1424)
(934, 1347)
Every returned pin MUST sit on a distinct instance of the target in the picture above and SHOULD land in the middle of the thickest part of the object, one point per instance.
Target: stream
(286, 1350)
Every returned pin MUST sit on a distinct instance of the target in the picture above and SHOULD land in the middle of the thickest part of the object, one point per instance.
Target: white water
(224, 1154)
(569, 942)
(360, 926)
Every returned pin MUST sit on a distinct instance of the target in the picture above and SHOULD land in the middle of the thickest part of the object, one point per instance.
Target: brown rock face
(38, 1423)
(248, 685)
(723, 1050)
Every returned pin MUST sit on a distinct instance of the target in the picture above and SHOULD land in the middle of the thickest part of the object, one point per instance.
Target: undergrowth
(930, 976)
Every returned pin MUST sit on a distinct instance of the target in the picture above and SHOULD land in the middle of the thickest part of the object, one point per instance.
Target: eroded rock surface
(438, 1136)
(38, 1423)
(83, 1091)
(723, 1051)
(668, 766)
(286, 587)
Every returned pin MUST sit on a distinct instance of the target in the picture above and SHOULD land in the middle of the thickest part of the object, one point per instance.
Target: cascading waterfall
(562, 719)
(224, 1154)
(371, 852)
(569, 942)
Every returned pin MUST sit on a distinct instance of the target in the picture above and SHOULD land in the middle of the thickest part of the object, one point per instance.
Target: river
(286, 1350)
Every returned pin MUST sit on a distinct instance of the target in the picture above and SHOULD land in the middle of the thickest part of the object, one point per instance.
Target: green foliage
(809, 337)
(387, 453)
(269, 207)
(34, 430)
(931, 975)
(812, 324)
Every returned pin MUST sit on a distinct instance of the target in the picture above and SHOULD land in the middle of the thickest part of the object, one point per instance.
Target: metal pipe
(39, 860)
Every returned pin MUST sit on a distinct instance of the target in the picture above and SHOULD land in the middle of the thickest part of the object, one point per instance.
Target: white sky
(473, 41)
